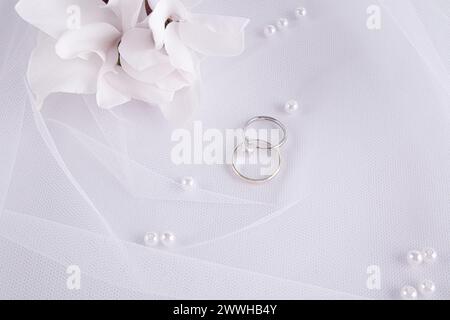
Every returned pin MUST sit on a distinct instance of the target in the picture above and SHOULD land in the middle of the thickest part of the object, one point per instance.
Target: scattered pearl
(408, 293)
(168, 239)
(151, 239)
(427, 287)
(291, 106)
(270, 30)
(414, 258)
(300, 12)
(282, 23)
(188, 183)
(429, 255)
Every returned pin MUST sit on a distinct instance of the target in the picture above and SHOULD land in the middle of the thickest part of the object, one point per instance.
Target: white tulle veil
(365, 175)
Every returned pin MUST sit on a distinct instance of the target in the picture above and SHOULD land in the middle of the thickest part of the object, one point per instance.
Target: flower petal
(138, 90)
(48, 73)
(173, 82)
(188, 3)
(138, 49)
(107, 95)
(183, 105)
(55, 17)
(214, 35)
(180, 55)
(191, 3)
(150, 75)
(128, 11)
(164, 10)
(97, 37)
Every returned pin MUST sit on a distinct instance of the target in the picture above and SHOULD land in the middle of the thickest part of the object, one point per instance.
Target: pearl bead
(291, 106)
(300, 12)
(282, 23)
(168, 239)
(270, 30)
(188, 183)
(427, 287)
(408, 293)
(151, 239)
(429, 255)
(414, 258)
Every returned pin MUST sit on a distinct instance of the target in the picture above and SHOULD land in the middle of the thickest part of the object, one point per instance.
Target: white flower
(122, 50)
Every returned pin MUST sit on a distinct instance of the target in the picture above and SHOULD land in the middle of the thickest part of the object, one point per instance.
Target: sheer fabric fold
(365, 175)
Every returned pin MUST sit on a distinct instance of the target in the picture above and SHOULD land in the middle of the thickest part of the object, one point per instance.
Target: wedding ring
(278, 123)
(242, 148)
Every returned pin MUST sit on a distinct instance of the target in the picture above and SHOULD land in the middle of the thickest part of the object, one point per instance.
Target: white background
(365, 173)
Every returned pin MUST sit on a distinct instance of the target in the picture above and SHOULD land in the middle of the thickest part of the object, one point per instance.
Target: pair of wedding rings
(269, 147)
